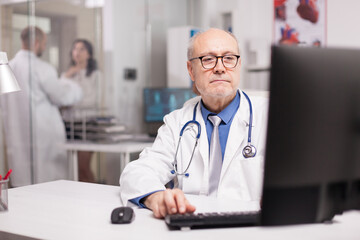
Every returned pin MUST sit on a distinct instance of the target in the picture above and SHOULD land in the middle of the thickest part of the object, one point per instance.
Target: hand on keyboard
(170, 201)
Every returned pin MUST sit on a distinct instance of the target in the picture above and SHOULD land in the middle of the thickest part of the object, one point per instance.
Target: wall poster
(300, 22)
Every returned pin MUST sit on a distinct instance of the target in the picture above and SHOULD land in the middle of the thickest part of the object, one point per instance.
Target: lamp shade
(8, 81)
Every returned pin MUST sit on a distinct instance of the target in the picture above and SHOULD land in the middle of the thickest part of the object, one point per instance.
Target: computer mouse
(122, 215)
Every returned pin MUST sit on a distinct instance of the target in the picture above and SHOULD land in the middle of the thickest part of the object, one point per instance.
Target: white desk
(124, 148)
(76, 210)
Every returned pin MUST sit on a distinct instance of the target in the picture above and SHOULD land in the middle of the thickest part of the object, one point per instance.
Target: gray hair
(190, 49)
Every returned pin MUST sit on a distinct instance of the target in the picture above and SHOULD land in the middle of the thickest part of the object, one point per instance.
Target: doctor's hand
(72, 71)
(170, 201)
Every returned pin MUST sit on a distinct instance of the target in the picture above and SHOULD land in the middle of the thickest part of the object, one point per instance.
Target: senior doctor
(202, 169)
(34, 130)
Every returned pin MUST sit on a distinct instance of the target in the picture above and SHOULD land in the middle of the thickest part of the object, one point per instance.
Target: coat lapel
(203, 144)
(201, 151)
(238, 134)
(204, 152)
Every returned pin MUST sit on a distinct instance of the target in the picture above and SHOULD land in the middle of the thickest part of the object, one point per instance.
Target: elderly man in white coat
(34, 130)
(214, 67)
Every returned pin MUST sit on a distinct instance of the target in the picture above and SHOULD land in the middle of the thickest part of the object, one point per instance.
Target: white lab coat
(240, 178)
(33, 125)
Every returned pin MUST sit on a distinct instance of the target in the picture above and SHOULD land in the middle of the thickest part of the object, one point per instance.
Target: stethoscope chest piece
(249, 151)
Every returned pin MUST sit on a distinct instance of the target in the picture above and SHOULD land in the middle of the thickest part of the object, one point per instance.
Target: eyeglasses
(210, 61)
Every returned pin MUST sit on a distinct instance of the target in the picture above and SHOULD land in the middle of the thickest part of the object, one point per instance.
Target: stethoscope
(249, 150)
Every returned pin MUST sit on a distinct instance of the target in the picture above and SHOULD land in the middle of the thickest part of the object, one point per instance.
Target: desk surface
(75, 210)
(125, 146)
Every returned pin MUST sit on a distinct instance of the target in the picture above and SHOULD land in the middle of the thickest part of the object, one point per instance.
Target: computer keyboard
(212, 220)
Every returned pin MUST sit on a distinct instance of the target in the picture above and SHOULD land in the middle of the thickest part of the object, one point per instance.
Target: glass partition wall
(137, 44)
(129, 36)
(39, 39)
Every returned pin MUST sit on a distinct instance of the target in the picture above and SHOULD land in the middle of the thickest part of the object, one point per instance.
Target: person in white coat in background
(214, 67)
(34, 130)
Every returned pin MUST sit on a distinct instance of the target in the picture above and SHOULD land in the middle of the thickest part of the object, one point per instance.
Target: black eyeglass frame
(217, 58)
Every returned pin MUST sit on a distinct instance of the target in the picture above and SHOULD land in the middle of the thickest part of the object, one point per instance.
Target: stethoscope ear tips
(185, 174)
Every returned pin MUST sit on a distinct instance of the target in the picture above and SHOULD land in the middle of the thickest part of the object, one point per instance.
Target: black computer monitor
(160, 101)
(312, 161)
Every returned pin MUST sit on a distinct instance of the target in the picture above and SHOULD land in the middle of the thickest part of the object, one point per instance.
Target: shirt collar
(25, 51)
(227, 114)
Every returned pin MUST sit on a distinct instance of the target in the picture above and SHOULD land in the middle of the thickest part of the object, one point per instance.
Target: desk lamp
(8, 81)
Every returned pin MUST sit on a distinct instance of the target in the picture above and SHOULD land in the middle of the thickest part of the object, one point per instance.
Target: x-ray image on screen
(160, 101)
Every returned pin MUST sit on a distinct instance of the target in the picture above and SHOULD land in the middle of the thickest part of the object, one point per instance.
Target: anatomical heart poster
(300, 22)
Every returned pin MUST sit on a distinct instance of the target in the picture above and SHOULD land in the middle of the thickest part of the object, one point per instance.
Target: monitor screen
(160, 101)
(312, 161)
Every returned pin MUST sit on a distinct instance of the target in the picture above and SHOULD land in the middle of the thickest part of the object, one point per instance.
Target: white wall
(253, 26)
(343, 23)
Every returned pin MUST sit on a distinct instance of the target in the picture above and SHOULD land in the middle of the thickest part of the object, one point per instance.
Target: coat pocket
(253, 171)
